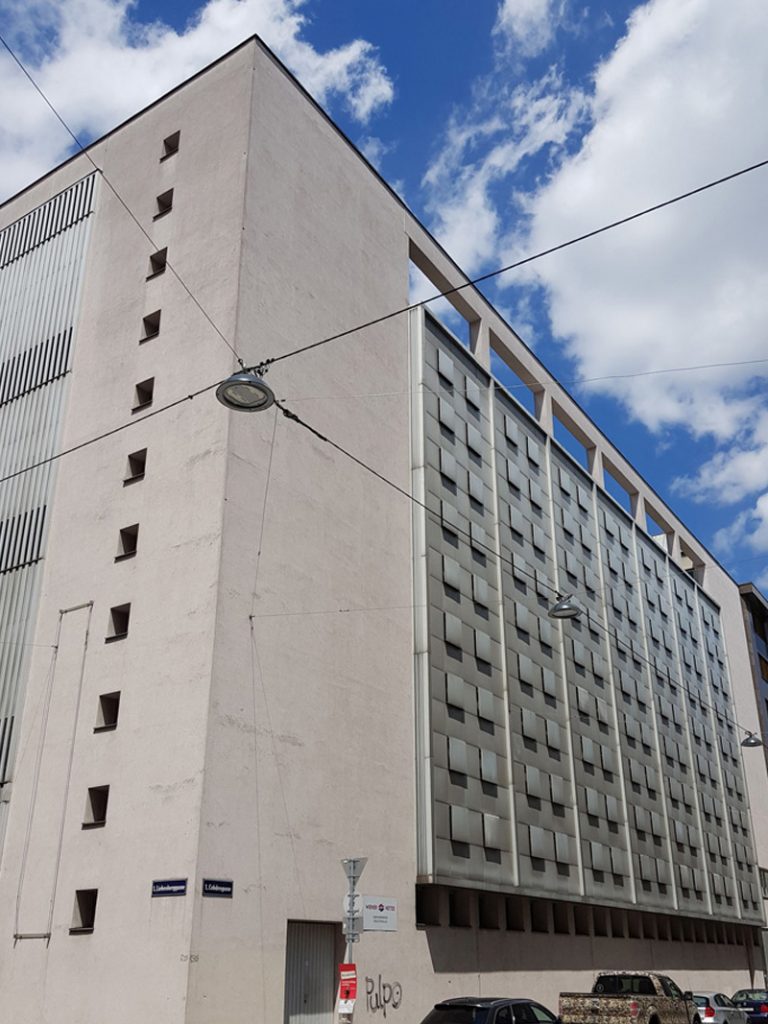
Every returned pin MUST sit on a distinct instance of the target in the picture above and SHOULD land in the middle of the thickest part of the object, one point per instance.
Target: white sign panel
(379, 914)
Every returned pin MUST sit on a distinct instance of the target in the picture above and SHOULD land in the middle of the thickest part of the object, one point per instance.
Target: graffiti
(382, 995)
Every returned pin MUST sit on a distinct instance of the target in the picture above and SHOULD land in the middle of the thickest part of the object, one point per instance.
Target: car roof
(483, 1001)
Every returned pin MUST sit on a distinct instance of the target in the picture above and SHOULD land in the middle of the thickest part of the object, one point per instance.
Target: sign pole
(353, 869)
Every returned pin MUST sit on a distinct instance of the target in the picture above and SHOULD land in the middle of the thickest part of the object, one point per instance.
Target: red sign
(347, 982)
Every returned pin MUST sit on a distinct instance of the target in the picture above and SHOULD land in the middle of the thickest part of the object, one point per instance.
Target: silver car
(717, 1008)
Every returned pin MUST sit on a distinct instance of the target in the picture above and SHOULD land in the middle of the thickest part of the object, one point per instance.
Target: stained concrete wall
(135, 964)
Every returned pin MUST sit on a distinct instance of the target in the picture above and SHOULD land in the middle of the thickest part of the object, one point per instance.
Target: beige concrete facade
(268, 720)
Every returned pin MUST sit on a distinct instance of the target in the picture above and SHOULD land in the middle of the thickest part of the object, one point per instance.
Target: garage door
(310, 973)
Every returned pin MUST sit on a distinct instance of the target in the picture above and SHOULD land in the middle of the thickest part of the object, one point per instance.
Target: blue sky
(507, 126)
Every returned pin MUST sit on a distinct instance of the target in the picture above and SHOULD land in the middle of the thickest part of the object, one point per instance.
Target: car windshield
(458, 1015)
(701, 1000)
(752, 993)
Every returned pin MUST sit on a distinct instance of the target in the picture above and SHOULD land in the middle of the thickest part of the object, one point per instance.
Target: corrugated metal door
(310, 973)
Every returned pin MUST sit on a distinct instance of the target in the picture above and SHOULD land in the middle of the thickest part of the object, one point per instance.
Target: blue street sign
(170, 887)
(217, 887)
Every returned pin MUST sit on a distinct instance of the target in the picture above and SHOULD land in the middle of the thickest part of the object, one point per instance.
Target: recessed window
(157, 262)
(142, 395)
(119, 617)
(84, 913)
(150, 326)
(137, 463)
(96, 807)
(170, 145)
(127, 542)
(108, 711)
(163, 204)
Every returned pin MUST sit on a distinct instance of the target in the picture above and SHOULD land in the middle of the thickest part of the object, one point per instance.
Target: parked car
(630, 997)
(755, 1002)
(717, 1008)
(487, 1010)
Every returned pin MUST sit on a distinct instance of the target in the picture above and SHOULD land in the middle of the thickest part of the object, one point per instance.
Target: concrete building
(234, 656)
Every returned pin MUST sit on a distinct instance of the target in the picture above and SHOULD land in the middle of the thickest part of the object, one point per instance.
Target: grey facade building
(233, 657)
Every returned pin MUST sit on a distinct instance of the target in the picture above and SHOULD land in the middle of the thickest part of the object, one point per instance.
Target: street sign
(353, 868)
(169, 887)
(347, 989)
(351, 927)
(217, 887)
(353, 904)
(379, 914)
(348, 982)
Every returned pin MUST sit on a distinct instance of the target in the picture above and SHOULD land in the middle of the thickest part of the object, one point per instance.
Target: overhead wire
(611, 633)
(517, 263)
(168, 263)
(472, 282)
(388, 316)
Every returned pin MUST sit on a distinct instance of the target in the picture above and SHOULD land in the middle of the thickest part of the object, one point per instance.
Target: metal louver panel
(6, 734)
(35, 367)
(42, 224)
(21, 540)
(42, 257)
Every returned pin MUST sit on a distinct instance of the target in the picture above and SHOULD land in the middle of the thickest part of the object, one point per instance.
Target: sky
(508, 126)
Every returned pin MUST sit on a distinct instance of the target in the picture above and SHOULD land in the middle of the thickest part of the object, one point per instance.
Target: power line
(107, 433)
(518, 263)
(438, 295)
(120, 199)
(610, 632)
(497, 385)
(370, 323)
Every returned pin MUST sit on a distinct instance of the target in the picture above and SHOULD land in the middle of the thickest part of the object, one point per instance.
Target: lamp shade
(565, 607)
(245, 391)
(750, 740)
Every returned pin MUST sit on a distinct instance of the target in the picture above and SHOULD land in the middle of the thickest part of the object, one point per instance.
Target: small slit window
(163, 204)
(107, 712)
(127, 542)
(96, 807)
(137, 464)
(150, 326)
(157, 263)
(170, 145)
(143, 394)
(119, 617)
(84, 912)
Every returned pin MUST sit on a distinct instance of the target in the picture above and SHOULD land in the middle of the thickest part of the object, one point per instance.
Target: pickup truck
(629, 997)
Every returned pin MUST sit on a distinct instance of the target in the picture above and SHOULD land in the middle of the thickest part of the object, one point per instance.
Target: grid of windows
(594, 755)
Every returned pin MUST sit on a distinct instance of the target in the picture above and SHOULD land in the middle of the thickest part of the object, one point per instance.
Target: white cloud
(688, 285)
(750, 527)
(670, 108)
(736, 471)
(374, 149)
(480, 150)
(528, 25)
(98, 65)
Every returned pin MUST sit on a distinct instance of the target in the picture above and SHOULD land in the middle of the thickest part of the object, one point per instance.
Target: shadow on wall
(472, 951)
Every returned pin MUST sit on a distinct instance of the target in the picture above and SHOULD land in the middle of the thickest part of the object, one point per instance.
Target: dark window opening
(157, 262)
(150, 326)
(108, 711)
(143, 394)
(137, 464)
(84, 913)
(96, 807)
(164, 204)
(170, 145)
(119, 617)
